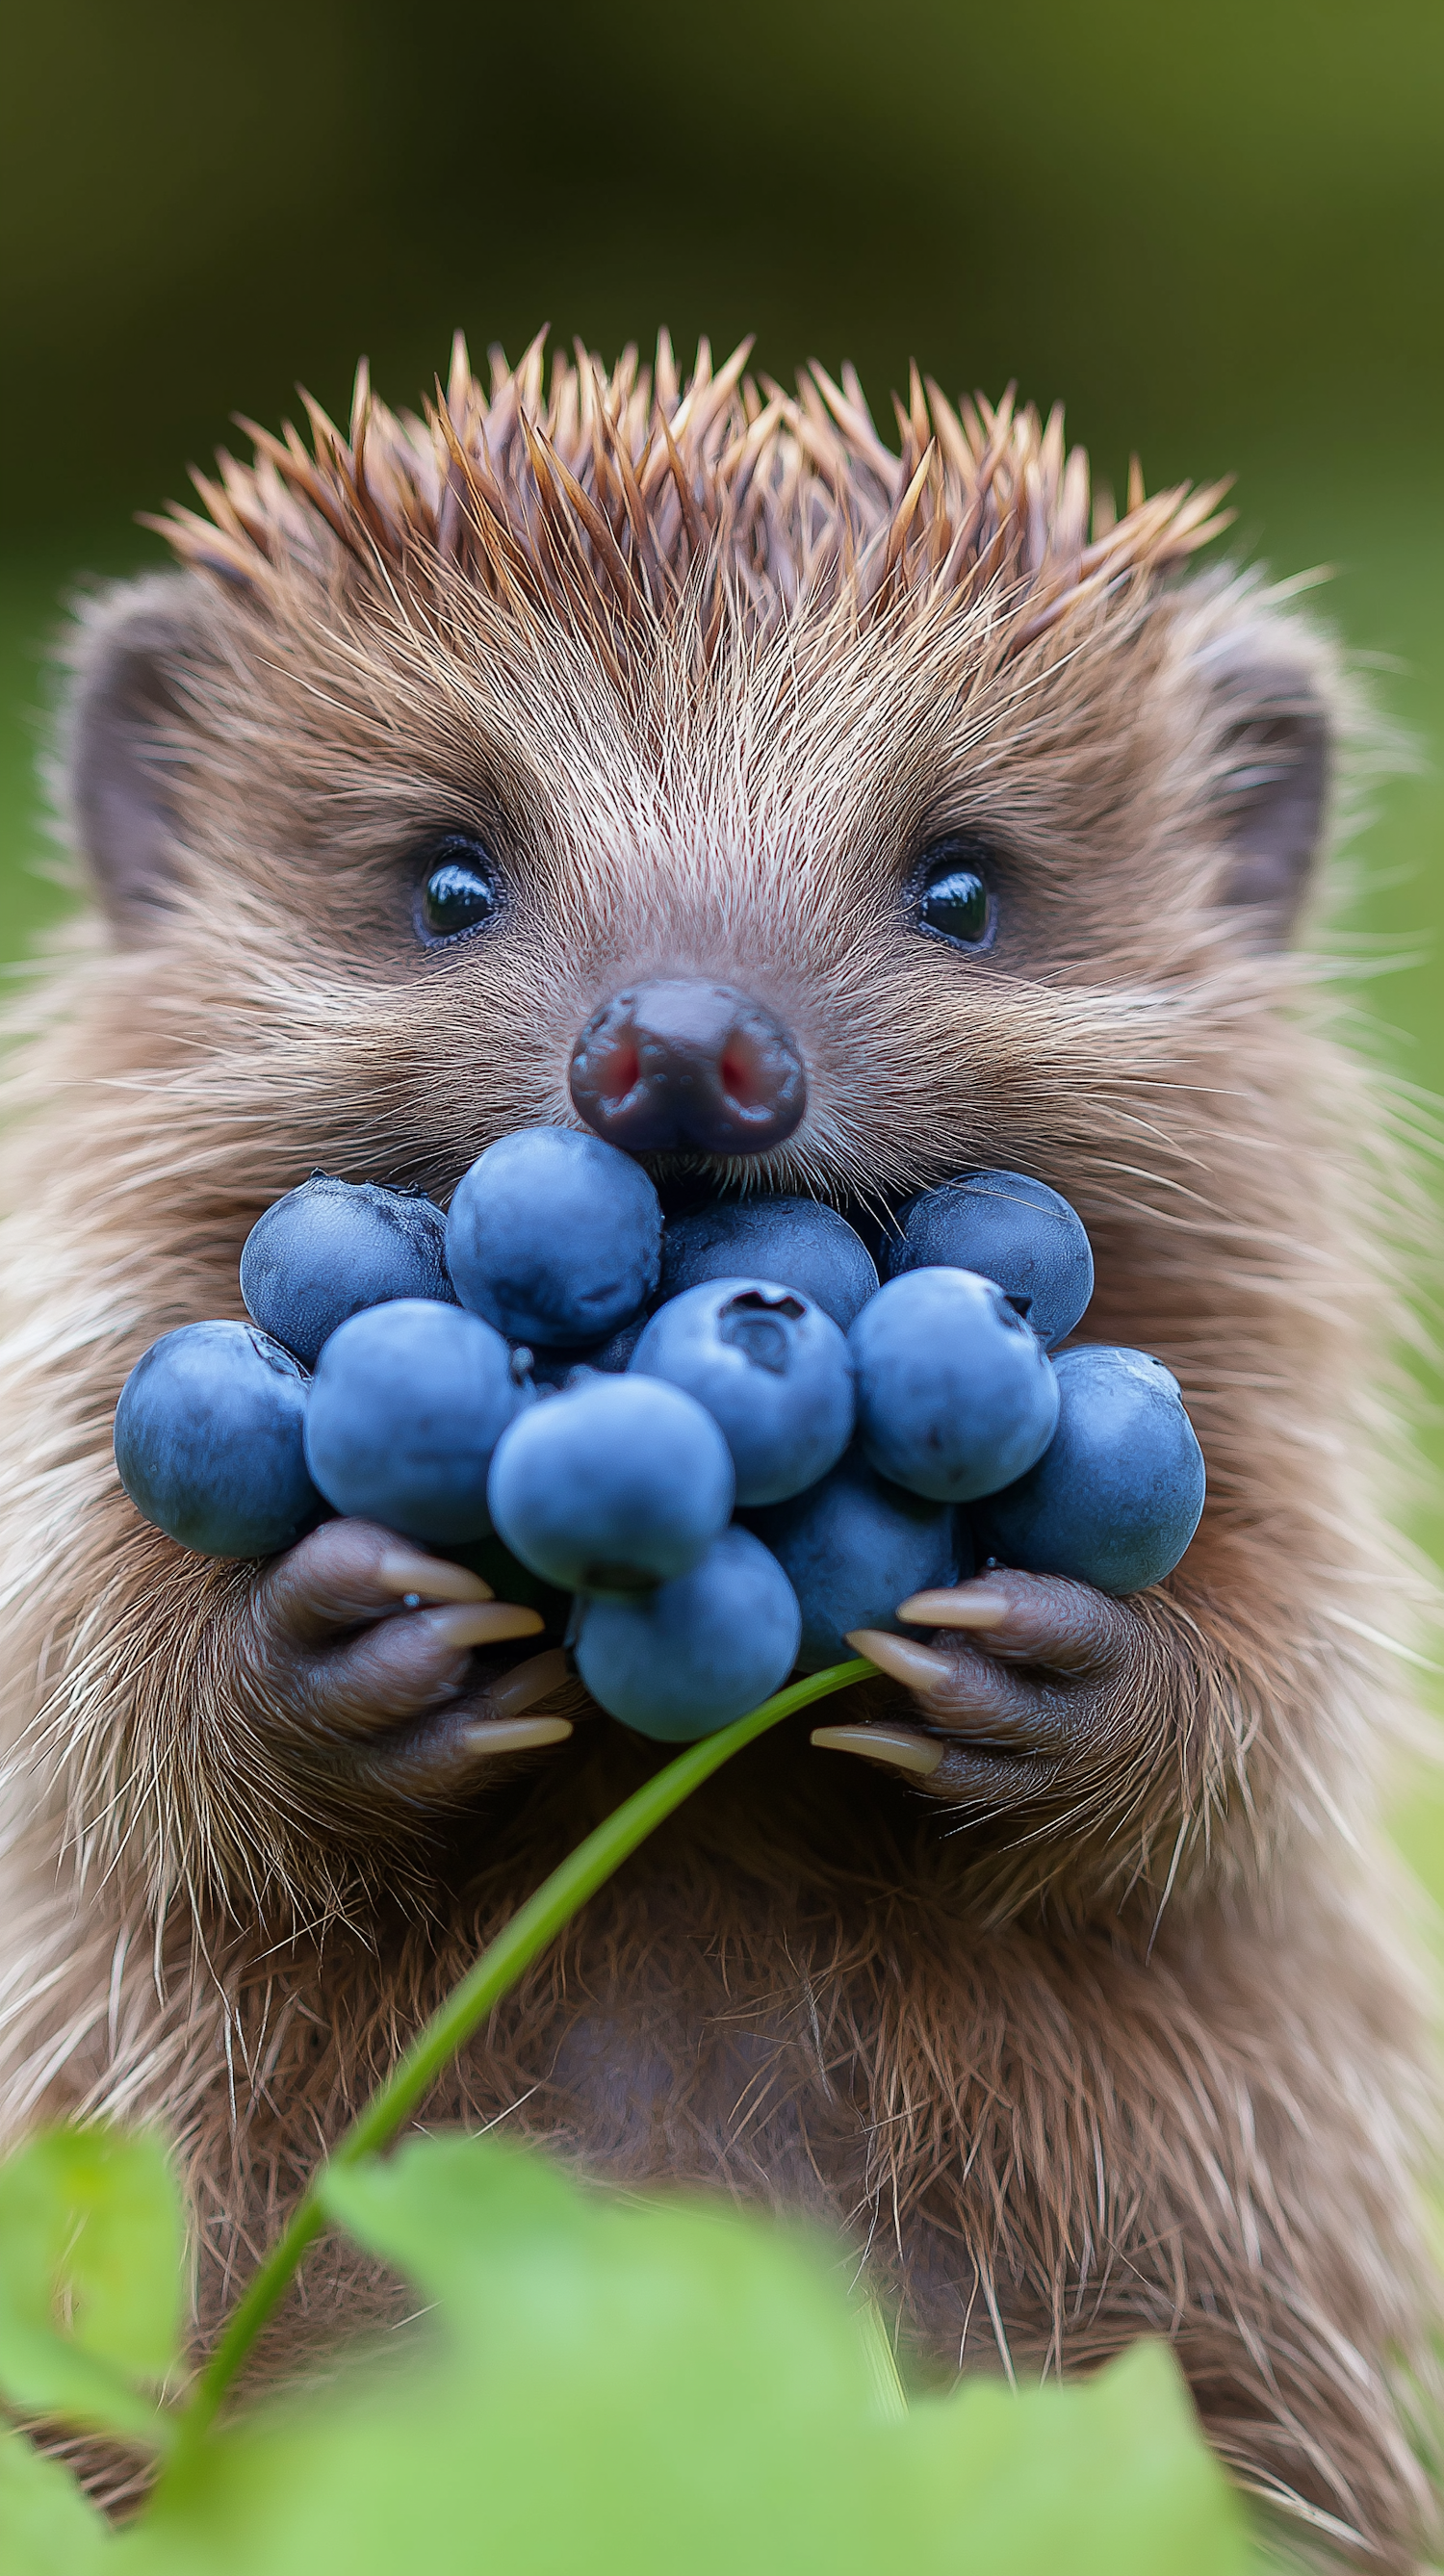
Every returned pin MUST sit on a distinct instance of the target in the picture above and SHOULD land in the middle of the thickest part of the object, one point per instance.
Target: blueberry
(330, 1248)
(208, 1441)
(406, 1406)
(955, 1395)
(553, 1237)
(1008, 1228)
(683, 1660)
(853, 1547)
(772, 1370)
(613, 1485)
(1117, 1497)
(795, 1242)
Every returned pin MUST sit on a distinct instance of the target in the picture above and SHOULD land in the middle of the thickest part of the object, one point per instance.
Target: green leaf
(1107, 2476)
(46, 2526)
(92, 2279)
(445, 2210)
(527, 2270)
(632, 2386)
(889, 2395)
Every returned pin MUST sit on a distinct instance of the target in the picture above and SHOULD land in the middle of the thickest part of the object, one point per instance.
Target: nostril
(680, 1065)
(739, 1077)
(617, 1074)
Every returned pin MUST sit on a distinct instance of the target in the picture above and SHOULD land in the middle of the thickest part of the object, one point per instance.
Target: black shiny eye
(952, 896)
(460, 890)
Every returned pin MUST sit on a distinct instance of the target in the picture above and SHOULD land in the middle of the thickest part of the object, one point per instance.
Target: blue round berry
(553, 1237)
(613, 1485)
(1010, 1229)
(853, 1547)
(772, 1370)
(955, 1395)
(1117, 1497)
(794, 1242)
(208, 1441)
(687, 1658)
(406, 1406)
(330, 1248)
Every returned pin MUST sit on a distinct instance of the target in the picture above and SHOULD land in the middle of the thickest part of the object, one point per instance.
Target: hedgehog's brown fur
(710, 666)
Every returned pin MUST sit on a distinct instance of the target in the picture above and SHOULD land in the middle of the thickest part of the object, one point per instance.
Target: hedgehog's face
(678, 1063)
(815, 899)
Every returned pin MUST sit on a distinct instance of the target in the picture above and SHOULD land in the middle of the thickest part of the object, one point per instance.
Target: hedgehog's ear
(1272, 771)
(126, 721)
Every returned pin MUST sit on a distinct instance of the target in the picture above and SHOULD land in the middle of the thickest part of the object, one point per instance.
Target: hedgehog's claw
(920, 1668)
(446, 1757)
(897, 1746)
(443, 1763)
(522, 1686)
(478, 1623)
(516, 1734)
(413, 1578)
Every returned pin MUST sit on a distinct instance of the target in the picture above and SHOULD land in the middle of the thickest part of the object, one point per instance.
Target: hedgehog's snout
(682, 1066)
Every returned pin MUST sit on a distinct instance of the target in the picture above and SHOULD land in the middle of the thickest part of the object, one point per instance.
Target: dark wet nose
(679, 1066)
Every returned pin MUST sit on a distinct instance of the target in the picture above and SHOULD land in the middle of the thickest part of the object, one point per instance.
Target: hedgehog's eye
(951, 894)
(460, 889)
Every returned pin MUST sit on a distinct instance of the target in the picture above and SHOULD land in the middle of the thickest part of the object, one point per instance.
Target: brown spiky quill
(616, 499)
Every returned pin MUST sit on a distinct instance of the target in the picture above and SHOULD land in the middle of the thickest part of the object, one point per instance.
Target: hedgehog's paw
(360, 1666)
(1029, 1692)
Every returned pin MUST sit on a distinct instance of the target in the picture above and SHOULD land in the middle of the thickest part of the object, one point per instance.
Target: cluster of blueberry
(872, 1440)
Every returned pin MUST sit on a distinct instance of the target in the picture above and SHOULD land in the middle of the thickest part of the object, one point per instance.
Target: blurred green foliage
(91, 2232)
(624, 2387)
(1217, 234)
(1196, 226)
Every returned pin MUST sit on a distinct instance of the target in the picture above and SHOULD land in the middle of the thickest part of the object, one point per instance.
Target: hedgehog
(1062, 1973)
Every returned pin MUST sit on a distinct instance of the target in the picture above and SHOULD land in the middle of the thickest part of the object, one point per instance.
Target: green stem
(501, 1963)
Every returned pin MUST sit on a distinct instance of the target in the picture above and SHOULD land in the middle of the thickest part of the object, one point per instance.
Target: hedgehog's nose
(679, 1066)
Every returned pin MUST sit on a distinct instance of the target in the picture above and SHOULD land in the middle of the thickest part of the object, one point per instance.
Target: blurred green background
(1217, 234)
